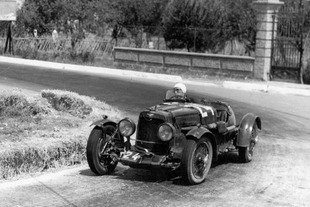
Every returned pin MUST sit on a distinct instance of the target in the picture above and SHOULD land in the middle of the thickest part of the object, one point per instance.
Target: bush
(27, 53)
(83, 56)
(71, 55)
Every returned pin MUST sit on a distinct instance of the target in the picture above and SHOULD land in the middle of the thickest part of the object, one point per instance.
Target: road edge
(255, 86)
(91, 69)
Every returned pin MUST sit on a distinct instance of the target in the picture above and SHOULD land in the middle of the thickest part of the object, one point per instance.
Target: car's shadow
(134, 174)
(228, 157)
(160, 175)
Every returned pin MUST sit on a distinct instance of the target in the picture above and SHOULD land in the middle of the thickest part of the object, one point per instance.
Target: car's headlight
(166, 131)
(126, 127)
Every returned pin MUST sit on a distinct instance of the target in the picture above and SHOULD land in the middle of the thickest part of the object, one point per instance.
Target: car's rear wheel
(196, 160)
(246, 153)
(98, 143)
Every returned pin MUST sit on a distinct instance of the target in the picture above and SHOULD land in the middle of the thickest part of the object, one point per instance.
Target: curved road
(278, 175)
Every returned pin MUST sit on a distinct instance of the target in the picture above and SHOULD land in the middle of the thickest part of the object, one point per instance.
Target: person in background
(55, 35)
(35, 33)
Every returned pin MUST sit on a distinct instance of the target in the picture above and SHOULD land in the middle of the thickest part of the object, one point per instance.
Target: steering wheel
(176, 98)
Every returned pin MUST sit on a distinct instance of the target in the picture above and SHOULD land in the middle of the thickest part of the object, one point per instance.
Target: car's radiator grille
(147, 131)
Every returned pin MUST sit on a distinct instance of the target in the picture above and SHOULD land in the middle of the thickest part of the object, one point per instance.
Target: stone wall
(187, 62)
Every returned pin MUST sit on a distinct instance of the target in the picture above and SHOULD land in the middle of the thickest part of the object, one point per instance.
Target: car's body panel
(103, 122)
(198, 132)
(146, 162)
(245, 129)
(190, 120)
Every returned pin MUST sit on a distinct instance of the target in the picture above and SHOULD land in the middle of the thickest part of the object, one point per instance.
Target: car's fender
(245, 129)
(103, 122)
(200, 131)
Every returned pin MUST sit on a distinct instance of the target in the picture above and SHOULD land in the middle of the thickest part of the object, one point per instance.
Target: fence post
(266, 30)
(138, 57)
(301, 49)
(158, 42)
(164, 60)
(9, 40)
(195, 33)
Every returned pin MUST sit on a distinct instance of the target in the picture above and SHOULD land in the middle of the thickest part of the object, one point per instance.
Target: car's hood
(175, 109)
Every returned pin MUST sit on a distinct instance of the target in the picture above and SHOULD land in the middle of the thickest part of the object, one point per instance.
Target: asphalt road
(278, 175)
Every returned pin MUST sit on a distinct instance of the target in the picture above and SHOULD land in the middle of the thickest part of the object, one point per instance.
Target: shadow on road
(229, 157)
(87, 172)
(160, 175)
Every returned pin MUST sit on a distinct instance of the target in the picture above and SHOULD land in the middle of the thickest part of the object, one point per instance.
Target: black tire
(196, 160)
(96, 141)
(246, 153)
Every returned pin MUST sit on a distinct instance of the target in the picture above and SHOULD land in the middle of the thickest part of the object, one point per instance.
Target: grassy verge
(45, 130)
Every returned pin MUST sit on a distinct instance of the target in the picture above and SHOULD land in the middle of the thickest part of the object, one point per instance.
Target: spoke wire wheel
(253, 140)
(200, 160)
(101, 148)
(97, 144)
(196, 160)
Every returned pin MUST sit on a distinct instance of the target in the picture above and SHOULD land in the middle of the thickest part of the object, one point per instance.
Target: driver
(178, 92)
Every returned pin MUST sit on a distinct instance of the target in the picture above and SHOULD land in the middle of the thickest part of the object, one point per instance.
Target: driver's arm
(211, 126)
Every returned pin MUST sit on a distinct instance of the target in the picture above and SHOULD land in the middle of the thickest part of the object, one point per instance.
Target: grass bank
(45, 130)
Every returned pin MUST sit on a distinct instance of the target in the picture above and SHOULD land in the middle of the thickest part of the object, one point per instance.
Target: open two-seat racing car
(175, 135)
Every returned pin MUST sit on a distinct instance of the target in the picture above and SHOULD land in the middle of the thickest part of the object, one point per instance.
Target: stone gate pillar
(265, 11)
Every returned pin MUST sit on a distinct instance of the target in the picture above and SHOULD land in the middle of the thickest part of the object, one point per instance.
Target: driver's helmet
(180, 87)
(178, 91)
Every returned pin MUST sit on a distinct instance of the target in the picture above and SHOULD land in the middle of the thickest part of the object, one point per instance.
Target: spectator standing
(54, 35)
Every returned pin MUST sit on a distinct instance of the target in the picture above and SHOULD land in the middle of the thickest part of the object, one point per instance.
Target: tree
(136, 16)
(240, 23)
(201, 25)
(187, 23)
(45, 15)
(29, 17)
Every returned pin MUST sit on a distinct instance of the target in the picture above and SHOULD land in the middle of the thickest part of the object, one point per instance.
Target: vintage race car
(176, 135)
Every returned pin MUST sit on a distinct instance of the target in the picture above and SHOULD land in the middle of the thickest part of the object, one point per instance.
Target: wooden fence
(48, 45)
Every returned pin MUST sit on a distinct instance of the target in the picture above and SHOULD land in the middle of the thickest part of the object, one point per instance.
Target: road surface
(278, 175)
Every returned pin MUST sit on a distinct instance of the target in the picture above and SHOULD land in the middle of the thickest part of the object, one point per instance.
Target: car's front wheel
(196, 160)
(99, 160)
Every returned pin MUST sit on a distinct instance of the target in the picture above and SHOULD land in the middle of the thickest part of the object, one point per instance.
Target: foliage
(46, 15)
(135, 16)
(207, 24)
(39, 15)
(85, 51)
(197, 25)
(215, 21)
